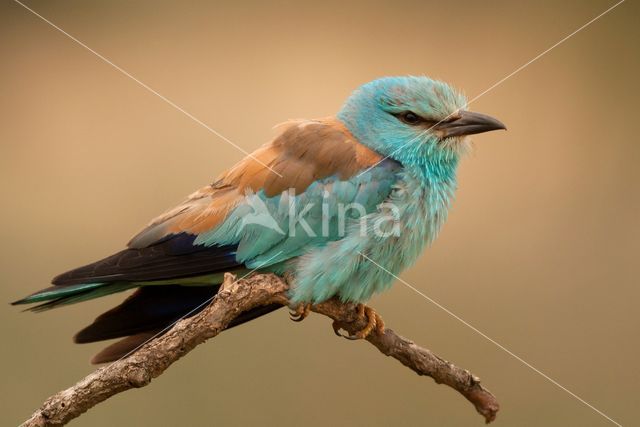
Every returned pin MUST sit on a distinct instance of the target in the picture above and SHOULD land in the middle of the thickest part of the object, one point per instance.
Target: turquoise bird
(335, 204)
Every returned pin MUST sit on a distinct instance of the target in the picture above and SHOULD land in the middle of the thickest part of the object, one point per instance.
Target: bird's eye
(410, 118)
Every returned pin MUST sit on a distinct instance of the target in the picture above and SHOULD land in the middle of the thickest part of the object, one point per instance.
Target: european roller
(334, 204)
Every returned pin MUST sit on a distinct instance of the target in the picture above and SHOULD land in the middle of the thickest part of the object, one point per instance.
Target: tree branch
(235, 297)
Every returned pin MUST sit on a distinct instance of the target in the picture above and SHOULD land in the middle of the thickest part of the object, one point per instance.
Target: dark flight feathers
(170, 258)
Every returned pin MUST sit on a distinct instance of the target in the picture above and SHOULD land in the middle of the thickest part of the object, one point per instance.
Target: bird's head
(414, 120)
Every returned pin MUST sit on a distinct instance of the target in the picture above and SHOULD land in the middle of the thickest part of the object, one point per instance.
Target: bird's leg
(302, 310)
(300, 313)
(374, 323)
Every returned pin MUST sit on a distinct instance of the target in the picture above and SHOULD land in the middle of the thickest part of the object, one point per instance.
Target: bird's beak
(468, 123)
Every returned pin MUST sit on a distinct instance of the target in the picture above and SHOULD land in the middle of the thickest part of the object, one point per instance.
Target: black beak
(468, 123)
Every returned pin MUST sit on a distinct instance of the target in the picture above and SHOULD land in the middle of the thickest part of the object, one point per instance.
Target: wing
(305, 152)
(311, 162)
(244, 219)
(174, 257)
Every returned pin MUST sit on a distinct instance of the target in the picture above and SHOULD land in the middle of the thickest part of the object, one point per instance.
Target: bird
(337, 205)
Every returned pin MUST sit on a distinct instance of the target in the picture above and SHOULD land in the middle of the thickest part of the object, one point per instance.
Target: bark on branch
(235, 297)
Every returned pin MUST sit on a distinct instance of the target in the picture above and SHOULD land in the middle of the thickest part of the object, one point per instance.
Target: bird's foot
(374, 323)
(300, 313)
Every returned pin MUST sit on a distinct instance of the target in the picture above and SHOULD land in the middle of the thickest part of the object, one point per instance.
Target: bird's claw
(300, 313)
(374, 323)
(336, 328)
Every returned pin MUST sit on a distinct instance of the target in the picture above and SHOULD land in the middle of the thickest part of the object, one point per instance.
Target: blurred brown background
(540, 251)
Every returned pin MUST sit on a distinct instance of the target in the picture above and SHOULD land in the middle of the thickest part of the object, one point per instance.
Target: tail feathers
(132, 343)
(57, 296)
(56, 292)
(151, 311)
(149, 307)
(148, 312)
